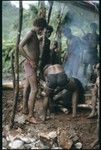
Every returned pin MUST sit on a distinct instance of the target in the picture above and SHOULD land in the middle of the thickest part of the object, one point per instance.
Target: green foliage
(10, 16)
(33, 10)
(7, 50)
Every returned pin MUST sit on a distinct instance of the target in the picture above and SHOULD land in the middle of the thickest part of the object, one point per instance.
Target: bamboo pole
(16, 91)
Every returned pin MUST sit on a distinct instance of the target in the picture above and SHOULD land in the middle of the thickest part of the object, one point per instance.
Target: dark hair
(40, 22)
(50, 28)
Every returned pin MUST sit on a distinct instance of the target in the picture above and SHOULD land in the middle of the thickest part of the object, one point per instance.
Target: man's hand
(22, 51)
(33, 64)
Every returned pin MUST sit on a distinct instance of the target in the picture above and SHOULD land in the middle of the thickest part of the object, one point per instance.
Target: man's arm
(23, 43)
(43, 42)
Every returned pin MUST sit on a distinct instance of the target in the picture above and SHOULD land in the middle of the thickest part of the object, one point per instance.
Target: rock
(13, 134)
(6, 127)
(52, 135)
(27, 140)
(48, 138)
(32, 139)
(64, 141)
(6, 130)
(4, 142)
(39, 144)
(16, 144)
(10, 138)
(27, 146)
(78, 145)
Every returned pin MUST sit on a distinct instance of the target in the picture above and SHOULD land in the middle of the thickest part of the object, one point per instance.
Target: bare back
(31, 46)
(53, 69)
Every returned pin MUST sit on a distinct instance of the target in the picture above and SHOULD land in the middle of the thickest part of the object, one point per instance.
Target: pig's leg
(45, 108)
(74, 103)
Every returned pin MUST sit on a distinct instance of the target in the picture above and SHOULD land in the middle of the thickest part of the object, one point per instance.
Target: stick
(16, 91)
(13, 72)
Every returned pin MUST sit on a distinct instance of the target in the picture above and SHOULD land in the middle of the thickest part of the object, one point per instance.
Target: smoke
(78, 20)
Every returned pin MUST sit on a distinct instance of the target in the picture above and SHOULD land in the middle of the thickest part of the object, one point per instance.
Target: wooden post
(16, 91)
(13, 70)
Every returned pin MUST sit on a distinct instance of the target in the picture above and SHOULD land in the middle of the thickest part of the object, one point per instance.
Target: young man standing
(29, 47)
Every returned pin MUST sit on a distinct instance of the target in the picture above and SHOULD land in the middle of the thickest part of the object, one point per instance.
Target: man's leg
(97, 130)
(33, 92)
(94, 102)
(26, 96)
(93, 112)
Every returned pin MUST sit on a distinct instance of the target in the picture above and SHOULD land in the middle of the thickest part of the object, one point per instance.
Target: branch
(16, 91)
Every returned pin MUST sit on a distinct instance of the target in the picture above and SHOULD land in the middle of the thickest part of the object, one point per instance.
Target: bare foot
(25, 111)
(32, 120)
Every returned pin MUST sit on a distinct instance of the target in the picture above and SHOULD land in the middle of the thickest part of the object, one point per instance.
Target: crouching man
(55, 77)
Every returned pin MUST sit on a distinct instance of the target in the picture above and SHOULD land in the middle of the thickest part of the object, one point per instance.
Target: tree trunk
(50, 10)
(16, 91)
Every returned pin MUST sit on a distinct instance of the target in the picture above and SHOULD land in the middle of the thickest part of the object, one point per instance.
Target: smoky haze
(78, 20)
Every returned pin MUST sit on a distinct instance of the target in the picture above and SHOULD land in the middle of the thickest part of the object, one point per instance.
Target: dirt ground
(84, 127)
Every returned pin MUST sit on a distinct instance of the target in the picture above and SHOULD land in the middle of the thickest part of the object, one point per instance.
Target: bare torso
(32, 47)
